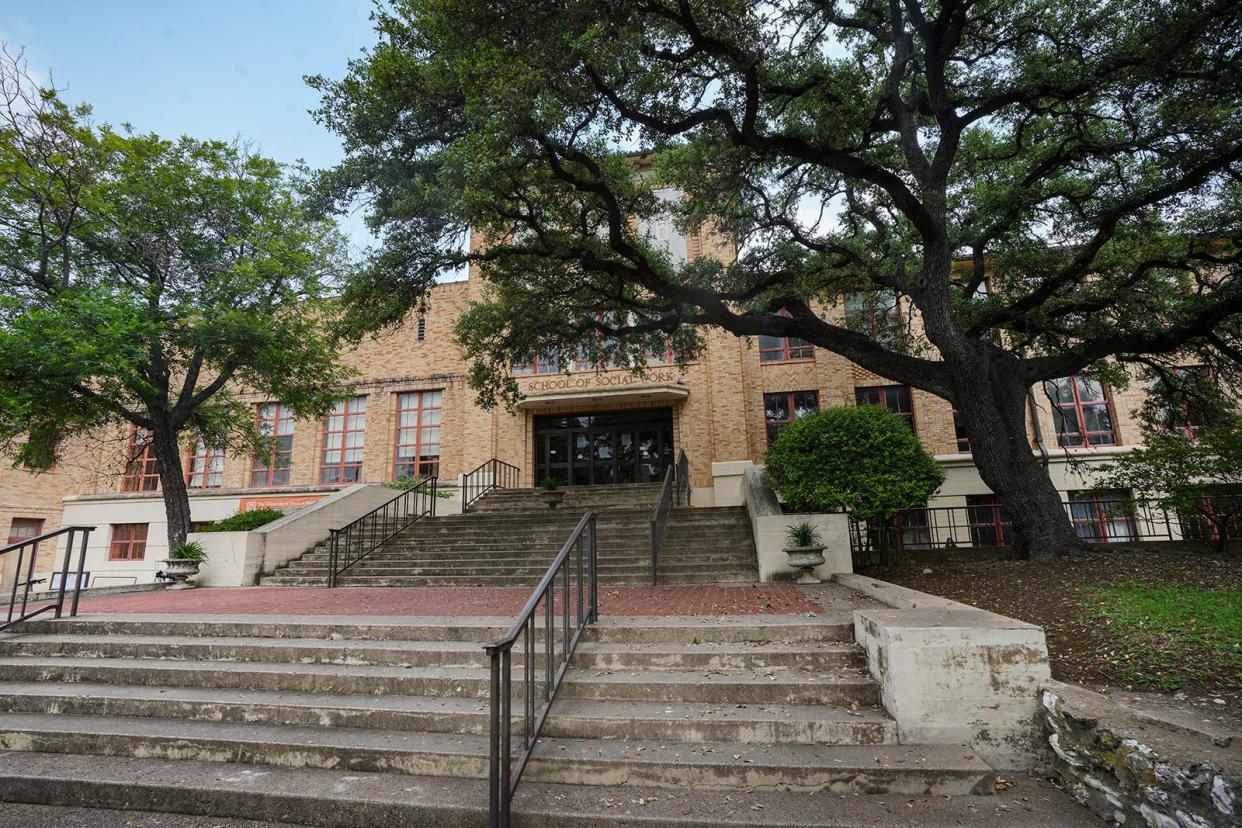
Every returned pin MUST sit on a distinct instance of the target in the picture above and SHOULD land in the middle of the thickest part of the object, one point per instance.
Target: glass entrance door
(609, 447)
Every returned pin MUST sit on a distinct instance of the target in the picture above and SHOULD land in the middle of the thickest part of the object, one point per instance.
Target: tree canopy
(1045, 185)
(151, 284)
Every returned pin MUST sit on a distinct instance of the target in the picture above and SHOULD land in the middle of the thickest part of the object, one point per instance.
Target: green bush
(861, 458)
(244, 521)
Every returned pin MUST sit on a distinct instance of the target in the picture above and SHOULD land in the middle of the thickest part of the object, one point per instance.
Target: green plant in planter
(802, 535)
(188, 551)
(549, 485)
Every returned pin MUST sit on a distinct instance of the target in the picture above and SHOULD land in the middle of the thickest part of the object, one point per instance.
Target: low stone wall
(768, 526)
(950, 673)
(1132, 772)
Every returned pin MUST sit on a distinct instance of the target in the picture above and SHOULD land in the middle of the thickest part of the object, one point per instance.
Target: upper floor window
(782, 408)
(959, 433)
(896, 398)
(537, 365)
(418, 434)
(344, 438)
(206, 467)
(129, 542)
(1185, 400)
(272, 467)
(1082, 410)
(23, 529)
(876, 313)
(784, 348)
(142, 471)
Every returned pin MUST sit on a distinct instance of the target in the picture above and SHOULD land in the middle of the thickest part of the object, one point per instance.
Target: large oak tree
(152, 287)
(1081, 159)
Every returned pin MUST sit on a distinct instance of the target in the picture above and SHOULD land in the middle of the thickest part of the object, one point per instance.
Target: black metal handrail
(27, 553)
(659, 520)
(683, 479)
(504, 774)
(355, 540)
(492, 474)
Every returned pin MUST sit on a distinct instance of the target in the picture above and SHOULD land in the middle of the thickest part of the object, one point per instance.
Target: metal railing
(27, 552)
(354, 541)
(493, 474)
(659, 521)
(577, 607)
(1211, 520)
(676, 489)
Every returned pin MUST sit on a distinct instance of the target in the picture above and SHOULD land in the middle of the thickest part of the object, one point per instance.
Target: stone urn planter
(552, 497)
(804, 551)
(181, 571)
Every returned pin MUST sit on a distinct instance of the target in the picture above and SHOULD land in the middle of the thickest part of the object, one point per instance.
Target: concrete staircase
(374, 722)
(509, 538)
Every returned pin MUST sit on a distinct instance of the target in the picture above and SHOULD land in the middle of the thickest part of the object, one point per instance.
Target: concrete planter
(552, 499)
(805, 559)
(181, 571)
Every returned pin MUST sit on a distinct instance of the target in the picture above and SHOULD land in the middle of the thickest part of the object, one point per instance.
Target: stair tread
(676, 712)
(310, 644)
(278, 667)
(784, 676)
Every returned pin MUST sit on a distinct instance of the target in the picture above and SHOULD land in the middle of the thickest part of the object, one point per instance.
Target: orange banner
(283, 504)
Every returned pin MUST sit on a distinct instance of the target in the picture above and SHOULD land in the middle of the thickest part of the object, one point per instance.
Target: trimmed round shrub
(861, 458)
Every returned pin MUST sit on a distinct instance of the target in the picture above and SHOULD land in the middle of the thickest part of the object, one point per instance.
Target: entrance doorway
(604, 447)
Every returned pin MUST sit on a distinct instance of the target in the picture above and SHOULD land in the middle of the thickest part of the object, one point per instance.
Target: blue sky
(214, 69)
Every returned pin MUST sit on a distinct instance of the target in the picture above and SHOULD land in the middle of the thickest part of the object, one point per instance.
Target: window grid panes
(1082, 411)
(1102, 517)
(537, 365)
(876, 313)
(129, 542)
(343, 442)
(782, 408)
(418, 434)
(896, 398)
(206, 467)
(272, 469)
(142, 471)
(989, 522)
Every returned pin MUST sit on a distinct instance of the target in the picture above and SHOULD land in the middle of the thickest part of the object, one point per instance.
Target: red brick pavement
(765, 599)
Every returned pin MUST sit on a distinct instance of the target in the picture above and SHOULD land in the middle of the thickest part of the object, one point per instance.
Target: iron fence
(354, 541)
(492, 474)
(568, 600)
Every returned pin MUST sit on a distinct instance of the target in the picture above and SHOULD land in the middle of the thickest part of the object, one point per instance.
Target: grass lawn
(1125, 620)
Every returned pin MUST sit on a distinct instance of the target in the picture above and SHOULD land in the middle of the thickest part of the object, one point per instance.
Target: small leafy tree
(861, 458)
(1199, 477)
(145, 284)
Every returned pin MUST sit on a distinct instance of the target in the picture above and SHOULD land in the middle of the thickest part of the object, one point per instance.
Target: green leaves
(863, 459)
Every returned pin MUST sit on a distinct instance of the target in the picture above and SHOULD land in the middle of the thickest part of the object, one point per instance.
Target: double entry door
(606, 447)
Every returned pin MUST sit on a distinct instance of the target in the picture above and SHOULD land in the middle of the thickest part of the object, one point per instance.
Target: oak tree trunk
(993, 410)
(172, 481)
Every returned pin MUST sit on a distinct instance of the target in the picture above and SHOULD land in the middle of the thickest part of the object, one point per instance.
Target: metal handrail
(33, 544)
(358, 538)
(683, 479)
(659, 521)
(504, 775)
(474, 484)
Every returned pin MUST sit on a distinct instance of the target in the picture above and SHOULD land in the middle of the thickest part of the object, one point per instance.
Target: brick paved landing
(764, 599)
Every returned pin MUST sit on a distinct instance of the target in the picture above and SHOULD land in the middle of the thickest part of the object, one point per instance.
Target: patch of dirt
(1054, 594)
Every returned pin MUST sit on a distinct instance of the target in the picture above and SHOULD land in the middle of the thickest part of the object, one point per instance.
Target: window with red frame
(206, 467)
(418, 434)
(1082, 410)
(272, 468)
(344, 438)
(661, 356)
(142, 471)
(989, 522)
(1183, 410)
(1103, 517)
(876, 313)
(129, 542)
(784, 348)
(782, 408)
(537, 365)
(896, 398)
(23, 529)
(959, 432)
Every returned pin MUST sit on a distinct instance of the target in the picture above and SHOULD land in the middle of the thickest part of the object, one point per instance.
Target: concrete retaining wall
(950, 673)
(1136, 773)
(768, 524)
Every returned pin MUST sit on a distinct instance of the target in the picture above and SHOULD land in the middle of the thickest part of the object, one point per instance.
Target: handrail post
(77, 580)
(494, 777)
(64, 574)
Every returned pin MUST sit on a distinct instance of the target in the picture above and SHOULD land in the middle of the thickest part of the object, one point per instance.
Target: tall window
(142, 471)
(1082, 410)
(206, 467)
(418, 434)
(875, 313)
(988, 520)
(896, 398)
(272, 468)
(959, 432)
(129, 542)
(343, 441)
(1102, 517)
(782, 408)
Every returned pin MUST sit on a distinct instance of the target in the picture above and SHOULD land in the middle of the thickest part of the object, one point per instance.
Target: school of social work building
(412, 414)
